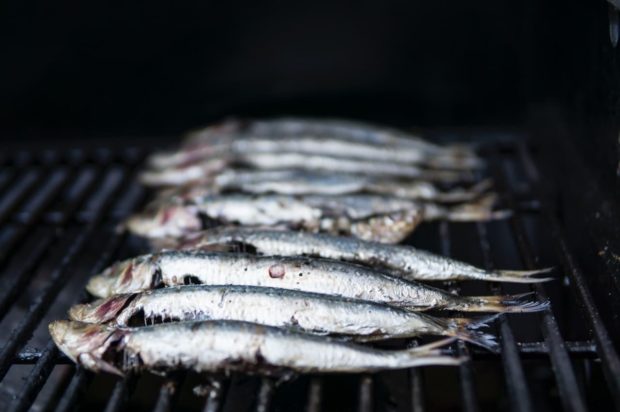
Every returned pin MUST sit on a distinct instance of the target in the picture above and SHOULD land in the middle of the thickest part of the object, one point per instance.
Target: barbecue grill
(534, 85)
(59, 209)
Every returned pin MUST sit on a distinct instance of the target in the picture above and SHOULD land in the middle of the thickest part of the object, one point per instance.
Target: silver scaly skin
(402, 261)
(328, 277)
(369, 217)
(212, 140)
(202, 168)
(317, 145)
(296, 182)
(355, 131)
(306, 312)
(220, 346)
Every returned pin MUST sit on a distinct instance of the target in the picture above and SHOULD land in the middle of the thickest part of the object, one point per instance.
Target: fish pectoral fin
(94, 363)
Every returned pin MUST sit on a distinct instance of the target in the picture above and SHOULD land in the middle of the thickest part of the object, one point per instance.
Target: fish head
(129, 276)
(86, 344)
(101, 310)
(173, 220)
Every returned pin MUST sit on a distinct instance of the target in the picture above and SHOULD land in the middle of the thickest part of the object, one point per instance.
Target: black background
(156, 67)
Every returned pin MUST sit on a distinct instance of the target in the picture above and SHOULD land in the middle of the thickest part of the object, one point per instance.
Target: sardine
(328, 277)
(306, 312)
(370, 217)
(295, 182)
(403, 261)
(356, 131)
(210, 346)
(196, 172)
(313, 145)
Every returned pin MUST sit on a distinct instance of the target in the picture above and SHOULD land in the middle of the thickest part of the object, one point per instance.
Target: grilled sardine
(321, 276)
(403, 261)
(306, 312)
(226, 346)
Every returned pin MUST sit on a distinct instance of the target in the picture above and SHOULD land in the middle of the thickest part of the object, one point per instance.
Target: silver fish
(200, 170)
(370, 217)
(194, 172)
(402, 261)
(296, 182)
(210, 346)
(313, 145)
(306, 312)
(356, 131)
(329, 277)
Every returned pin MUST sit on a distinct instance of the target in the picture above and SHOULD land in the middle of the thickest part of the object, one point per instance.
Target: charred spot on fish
(277, 271)
(191, 280)
(208, 222)
(157, 280)
(301, 274)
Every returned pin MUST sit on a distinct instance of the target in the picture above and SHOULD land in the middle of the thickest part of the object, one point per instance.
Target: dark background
(157, 67)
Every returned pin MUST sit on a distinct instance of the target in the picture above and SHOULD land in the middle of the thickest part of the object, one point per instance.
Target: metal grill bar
(33, 184)
(518, 392)
(215, 397)
(605, 348)
(74, 390)
(365, 398)
(36, 379)
(570, 394)
(528, 350)
(468, 392)
(315, 389)
(56, 281)
(265, 395)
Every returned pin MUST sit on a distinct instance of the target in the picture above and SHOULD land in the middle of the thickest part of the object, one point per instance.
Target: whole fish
(189, 173)
(313, 145)
(211, 346)
(356, 131)
(328, 277)
(306, 312)
(403, 261)
(370, 217)
(296, 182)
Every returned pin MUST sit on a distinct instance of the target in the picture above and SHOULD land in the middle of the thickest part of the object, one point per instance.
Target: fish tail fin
(388, 228)
(480, 210)
(519, 276)
(467, 330)
(466, 195)
(429, 354)
(498, 304)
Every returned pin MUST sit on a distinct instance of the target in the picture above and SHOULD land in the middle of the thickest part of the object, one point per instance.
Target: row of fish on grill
(276, 249)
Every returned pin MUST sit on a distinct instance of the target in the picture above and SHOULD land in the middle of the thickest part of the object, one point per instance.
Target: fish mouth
(85, 343)
(75, 338)
(101, 286)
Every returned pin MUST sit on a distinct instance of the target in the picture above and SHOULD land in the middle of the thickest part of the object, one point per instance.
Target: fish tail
(518, 276)
(480, 210)
(467, 330)
(499, 304)
(466, 195)
(429, 354)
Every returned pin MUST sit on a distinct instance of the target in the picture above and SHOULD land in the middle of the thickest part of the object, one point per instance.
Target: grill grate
(58, 211)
